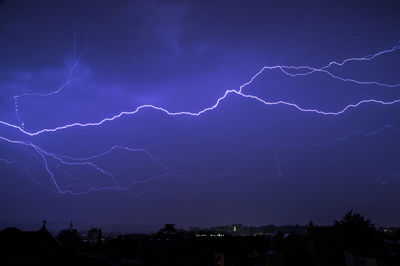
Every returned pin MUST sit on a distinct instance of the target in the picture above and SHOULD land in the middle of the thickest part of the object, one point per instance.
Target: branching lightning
(86, 161)
(239, 92)
(6, 161)
(68, 82)
(386, 177)
(290, 71)
(280, 148)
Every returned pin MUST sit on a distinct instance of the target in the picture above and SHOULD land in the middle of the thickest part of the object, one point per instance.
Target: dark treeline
(351, 241)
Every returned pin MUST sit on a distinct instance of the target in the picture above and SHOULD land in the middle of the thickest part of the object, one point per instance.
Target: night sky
(244, 161)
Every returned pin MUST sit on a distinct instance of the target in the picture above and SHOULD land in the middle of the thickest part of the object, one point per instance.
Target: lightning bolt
(338, 139)
(65, 84)
(346, 137)
(85, 161)
(249, 96)
(386, 177)
(7, 161)
(239, 92)
(291, 71)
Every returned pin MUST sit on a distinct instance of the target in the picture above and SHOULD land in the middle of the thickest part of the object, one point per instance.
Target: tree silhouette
(355, 221)
(357, 233)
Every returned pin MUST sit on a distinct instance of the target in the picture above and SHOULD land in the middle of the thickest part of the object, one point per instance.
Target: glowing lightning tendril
(291, 71)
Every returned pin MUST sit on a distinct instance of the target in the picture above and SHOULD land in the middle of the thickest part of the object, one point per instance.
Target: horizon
(56, 226)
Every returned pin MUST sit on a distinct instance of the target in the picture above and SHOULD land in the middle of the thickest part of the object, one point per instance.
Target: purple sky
(68, 62)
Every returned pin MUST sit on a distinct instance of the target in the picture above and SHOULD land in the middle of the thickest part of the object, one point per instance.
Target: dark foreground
(352, 241)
